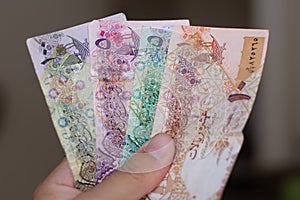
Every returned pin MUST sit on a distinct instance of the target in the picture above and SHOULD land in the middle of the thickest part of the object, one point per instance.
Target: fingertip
(159, 141)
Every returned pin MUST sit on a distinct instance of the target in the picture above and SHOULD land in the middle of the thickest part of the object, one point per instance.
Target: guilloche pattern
(204, 105)
(114, 49)
(112, 84)
(150, 64)
(62, 64)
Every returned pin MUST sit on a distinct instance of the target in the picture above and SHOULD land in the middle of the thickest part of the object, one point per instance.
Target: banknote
(149, 68)
(112, 84)
(206, 95)
(114, 47)
(62, 64)
(150, 64)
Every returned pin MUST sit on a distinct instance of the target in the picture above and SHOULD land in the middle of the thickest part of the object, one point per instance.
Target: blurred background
(268, 167)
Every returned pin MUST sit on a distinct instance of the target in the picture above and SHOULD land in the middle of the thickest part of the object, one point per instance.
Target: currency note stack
(113, 84)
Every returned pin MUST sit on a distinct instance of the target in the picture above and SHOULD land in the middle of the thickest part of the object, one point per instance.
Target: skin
(59, 185)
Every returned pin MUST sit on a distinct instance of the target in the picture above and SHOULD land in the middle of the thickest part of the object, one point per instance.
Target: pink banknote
(114, 48)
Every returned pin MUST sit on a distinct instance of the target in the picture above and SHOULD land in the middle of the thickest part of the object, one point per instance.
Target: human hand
(139, 176)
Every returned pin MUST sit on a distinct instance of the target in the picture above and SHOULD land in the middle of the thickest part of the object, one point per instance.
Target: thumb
(139, 175)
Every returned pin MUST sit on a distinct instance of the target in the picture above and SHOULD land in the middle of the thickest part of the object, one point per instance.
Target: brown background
(29, 148)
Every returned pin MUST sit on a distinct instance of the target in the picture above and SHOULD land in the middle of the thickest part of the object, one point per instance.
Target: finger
(129, 185)
(150, 157)
(61, 175)
(58, 185)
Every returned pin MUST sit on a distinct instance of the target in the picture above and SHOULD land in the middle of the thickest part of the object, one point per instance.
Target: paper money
(207, 92)
(61, 61)
(114, 48)
(150, 64)
(113, 84)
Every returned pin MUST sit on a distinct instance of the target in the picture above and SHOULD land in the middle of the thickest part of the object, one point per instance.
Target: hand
(139, 176)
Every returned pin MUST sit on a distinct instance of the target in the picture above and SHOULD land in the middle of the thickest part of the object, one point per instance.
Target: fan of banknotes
(113, 84)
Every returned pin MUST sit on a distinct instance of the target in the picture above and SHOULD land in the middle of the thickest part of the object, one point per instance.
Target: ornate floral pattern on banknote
(114, 51)
(61, 61)
(150, 65)
(114, 47)
(204, 107)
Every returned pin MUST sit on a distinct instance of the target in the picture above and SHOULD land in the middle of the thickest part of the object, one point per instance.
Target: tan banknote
(207, 92)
